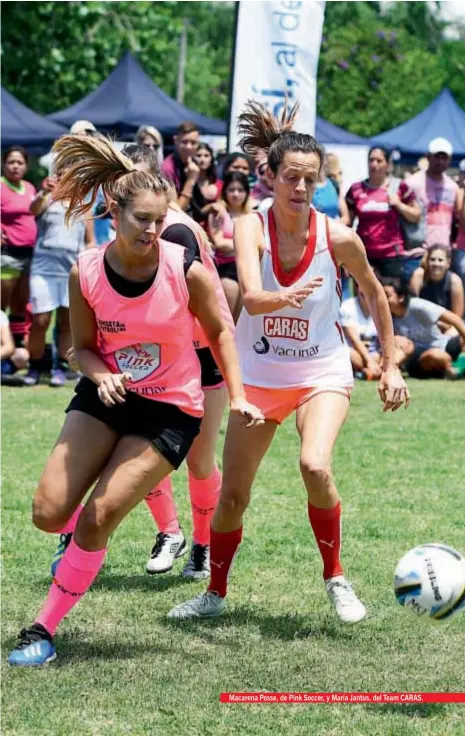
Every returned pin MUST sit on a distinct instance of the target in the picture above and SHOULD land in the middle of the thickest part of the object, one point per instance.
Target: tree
(69, 48)
(380, 63)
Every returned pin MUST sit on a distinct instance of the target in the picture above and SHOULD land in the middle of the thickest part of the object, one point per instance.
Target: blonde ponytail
(90, 163)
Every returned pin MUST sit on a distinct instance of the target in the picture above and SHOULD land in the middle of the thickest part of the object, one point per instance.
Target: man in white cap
(438, 193)
(82, 127)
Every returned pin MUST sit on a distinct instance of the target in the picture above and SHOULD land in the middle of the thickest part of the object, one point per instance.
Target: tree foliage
(55, 53)
(379, 65)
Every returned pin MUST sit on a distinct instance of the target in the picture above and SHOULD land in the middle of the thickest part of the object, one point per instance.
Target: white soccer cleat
(206, 605)
(348, 607)
(166, 549)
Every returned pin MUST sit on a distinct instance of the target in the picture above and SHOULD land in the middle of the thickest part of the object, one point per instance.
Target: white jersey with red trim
(292, 348)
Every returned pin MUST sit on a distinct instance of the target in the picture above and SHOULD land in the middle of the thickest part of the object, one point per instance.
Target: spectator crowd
(413, 230)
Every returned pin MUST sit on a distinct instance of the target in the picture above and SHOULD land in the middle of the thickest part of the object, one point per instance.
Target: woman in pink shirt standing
(139, 406)
(378, 212)
(19, 235)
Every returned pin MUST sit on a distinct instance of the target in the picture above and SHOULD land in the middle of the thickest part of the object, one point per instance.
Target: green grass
(124, 669)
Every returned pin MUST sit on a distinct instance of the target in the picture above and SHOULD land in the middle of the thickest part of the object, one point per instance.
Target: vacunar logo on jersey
(262, 346)
(141, 360)
(291, 327)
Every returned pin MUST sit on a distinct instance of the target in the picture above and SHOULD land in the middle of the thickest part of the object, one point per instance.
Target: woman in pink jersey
(204, 476)
(139, 406)
(293, 354)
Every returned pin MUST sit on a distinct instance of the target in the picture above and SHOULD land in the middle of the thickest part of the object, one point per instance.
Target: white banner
(277, 51)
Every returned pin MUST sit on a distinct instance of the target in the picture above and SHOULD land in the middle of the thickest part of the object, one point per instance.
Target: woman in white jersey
(293, 354)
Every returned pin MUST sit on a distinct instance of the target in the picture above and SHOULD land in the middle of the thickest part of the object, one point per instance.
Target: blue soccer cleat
(35, 648)
(63, 545)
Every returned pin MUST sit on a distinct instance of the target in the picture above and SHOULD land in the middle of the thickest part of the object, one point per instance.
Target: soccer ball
(430, 581)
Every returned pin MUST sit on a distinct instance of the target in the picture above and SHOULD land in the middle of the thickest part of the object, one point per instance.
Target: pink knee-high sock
(70, 525)
(204, 498)
(160, 501)
(76, 573)
(326, 525)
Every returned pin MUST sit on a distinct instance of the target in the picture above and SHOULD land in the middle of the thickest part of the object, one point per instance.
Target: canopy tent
(326, 133)
(22, 126)
(442, 118)
(127, 99)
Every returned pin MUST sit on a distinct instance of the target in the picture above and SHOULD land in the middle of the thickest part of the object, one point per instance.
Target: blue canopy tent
(127, 99)
(326, 133)
(442, 118)
(22, 126)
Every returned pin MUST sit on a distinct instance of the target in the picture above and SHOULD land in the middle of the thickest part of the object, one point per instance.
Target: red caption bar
(342, 698)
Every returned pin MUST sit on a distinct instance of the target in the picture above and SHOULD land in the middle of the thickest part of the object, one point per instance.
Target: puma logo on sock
(220, 564)
(328, 544)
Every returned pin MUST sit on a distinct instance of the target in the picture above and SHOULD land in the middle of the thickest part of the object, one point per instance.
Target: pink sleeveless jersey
(174, 217)
(151, 335)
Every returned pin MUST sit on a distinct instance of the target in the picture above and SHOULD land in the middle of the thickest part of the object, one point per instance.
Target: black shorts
(170, 430)
(453, 347)
(211, 374)
(228, 271)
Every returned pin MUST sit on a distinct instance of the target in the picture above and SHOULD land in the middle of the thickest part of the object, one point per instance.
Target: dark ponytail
(259, 131)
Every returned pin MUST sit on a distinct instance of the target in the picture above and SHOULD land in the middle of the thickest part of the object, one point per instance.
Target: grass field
(123, 668)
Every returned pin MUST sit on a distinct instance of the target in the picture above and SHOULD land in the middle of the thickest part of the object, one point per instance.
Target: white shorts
(48, 293)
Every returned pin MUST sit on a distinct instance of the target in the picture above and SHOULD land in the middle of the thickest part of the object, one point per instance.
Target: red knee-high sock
(326, 525)
(204, 498)
(75, 574)
(223, 549)
(162, 507)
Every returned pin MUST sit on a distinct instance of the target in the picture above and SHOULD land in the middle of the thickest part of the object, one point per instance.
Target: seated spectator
(236, 161)
(362, 337)
(207, 188)
(180, 166)
(438, 193)
(149, 136)
(417, 320)
(378, 212)
(18, 234)
(435, 282)
(13, 358)
(58, 246)
(236, 197)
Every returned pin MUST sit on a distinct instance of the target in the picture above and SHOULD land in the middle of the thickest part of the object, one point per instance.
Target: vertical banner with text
(276, 53)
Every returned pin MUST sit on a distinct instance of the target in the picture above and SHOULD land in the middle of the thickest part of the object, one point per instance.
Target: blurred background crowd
(403, 190)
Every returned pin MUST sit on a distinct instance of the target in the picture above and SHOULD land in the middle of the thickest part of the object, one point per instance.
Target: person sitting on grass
(435, 281)
(417, 319)
(13, 358)
(362, 338)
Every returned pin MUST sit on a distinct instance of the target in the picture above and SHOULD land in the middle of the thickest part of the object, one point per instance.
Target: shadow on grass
(121, 583)
(409, 710)
(284, 627)
(73, 649)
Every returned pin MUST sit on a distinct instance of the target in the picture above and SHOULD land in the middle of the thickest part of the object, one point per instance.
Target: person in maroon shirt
(378, 211)
(180, 167)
